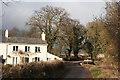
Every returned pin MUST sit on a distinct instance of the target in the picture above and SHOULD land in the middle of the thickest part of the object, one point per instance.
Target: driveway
(77, 71)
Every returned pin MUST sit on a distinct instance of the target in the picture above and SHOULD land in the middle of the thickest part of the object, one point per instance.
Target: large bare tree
(72, 35)
(66, 35)
(49, 19)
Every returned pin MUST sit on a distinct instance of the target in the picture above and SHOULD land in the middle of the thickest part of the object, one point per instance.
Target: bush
(51, 69)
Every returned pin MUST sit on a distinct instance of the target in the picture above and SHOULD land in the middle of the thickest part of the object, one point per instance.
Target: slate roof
(23, 40)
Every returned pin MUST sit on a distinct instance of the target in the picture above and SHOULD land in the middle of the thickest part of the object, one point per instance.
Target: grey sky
(17, 14)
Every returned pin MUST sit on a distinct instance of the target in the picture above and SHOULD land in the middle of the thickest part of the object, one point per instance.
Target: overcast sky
(17, 14)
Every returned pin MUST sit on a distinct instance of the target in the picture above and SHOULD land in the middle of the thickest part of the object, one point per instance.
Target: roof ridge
(25, 37)
(27, 40)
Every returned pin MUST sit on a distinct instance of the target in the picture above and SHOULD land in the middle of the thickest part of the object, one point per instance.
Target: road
(77, 71)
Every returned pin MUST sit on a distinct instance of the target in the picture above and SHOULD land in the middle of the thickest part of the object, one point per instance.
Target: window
(15, 48)
(36, 59)
(37, 49)
(25, 60)
(16, 60)
(48, 59)
(1, 56)
(27, 48)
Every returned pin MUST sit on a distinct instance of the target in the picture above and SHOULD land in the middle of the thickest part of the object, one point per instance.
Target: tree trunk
(69, 51)
(76, 53)
(49, 48)
(92, 58)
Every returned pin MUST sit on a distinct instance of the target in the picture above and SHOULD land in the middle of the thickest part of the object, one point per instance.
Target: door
(14, 60)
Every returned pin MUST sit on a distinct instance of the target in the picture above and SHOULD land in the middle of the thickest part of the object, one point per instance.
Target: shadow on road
(76, 70)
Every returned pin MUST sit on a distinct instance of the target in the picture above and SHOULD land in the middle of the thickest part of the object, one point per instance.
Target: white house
(16, 50)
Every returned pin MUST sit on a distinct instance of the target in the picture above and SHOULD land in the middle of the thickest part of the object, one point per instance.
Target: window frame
(36, 59)
(27, 48)
(15, 48)
(37, 49)
(25, 59)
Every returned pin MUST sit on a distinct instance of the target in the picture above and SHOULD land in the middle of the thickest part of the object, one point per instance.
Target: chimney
(43, 36)
(6, 33)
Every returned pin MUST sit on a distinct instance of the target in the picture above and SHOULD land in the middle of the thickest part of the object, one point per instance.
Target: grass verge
(95, 70)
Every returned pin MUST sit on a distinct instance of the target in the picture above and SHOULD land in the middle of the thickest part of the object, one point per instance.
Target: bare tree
(72, 35)
(66, 35)
(7, 2)
(49, 19)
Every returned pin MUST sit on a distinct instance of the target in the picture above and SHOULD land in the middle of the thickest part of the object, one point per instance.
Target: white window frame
(16, 48)
(37, 49)
(24, 61)
(38, 59)
(28, 49)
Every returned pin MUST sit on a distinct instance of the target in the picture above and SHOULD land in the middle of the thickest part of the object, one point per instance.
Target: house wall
(52, 57)
(3, 50)
(7, 48)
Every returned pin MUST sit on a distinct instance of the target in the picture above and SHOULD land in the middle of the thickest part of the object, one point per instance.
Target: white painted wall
(3, 50)
(52, 57)
(7, 48)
